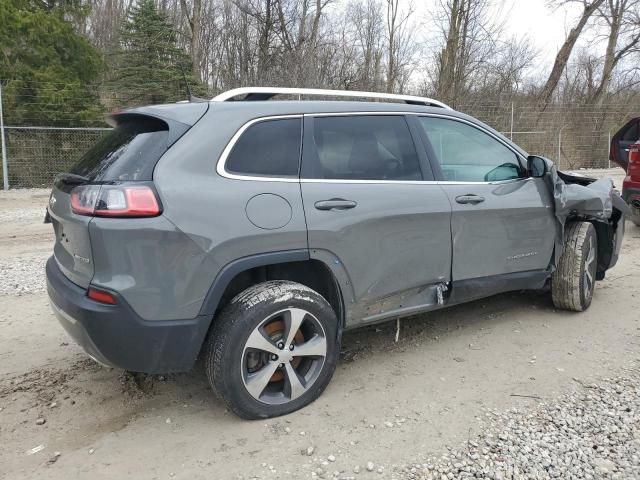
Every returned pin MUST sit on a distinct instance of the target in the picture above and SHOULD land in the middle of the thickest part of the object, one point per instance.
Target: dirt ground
(389, 403)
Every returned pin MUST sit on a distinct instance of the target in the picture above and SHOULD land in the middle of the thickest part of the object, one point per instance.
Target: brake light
(634, 153)
(115, 201)
(101, 296)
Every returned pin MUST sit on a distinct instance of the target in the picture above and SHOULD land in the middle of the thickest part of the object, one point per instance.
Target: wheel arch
(606, 240)
(293, 265)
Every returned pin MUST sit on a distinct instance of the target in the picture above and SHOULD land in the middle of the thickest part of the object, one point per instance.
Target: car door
(502, 220)
(368, 207)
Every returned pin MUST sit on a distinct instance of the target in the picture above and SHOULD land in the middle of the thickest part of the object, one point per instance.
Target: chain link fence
(35, 155)
(573, 136)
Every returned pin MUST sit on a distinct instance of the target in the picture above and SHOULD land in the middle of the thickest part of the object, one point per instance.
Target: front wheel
(273, 349)
(573, 281)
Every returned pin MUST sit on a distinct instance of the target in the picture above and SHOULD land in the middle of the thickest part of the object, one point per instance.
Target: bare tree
(367, 21)
(622, 18)
(469, 40)
(194, 20)
(562, 57)
(400, 45)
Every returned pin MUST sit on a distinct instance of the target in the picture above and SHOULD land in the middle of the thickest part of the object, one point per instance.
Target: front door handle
(470, 199)
(335, 204)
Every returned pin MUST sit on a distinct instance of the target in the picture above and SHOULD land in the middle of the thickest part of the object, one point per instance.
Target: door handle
(470, 199)
(335, 204)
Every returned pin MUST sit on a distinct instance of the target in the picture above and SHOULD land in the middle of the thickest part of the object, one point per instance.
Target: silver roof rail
(265, 93)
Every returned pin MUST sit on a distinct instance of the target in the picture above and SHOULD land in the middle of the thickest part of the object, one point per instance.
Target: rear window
(128, 152)
(632, 134)
(269, 148)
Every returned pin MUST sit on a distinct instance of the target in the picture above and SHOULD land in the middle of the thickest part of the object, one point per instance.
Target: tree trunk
(392, 14)
(564, 53)
(446, 77)
(195, 26)
(196, 32)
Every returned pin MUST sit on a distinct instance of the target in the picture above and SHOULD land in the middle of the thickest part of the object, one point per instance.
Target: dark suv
(254, 232)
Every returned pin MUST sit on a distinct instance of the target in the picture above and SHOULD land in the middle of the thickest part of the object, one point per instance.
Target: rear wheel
(273, 349)
(573, 282)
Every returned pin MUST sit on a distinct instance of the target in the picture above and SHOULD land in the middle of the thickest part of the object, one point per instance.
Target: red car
(625, 151)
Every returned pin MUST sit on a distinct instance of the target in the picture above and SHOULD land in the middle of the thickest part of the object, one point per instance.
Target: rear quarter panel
(211, 210)
(158, 270)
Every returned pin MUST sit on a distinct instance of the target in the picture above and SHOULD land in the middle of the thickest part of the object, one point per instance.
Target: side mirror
(536, 166)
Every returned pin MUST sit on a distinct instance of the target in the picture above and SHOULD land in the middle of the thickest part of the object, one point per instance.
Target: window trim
(221, 166)
(221, 170)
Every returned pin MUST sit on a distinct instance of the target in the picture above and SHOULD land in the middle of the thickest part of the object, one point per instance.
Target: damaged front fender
(579, 198)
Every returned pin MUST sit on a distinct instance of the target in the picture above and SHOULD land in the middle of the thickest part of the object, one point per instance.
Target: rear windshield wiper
(72, 178)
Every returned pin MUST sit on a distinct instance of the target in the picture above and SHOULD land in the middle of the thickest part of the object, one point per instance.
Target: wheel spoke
(293, 320)
(295, 386)
(592, 254)
(256, 382)
(315, 347)
(258, 341)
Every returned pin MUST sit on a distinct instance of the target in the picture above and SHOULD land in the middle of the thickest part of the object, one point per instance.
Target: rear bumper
(116, 336)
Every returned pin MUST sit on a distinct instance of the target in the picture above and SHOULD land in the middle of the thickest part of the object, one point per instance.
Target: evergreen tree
(148, 67)
(48, 71)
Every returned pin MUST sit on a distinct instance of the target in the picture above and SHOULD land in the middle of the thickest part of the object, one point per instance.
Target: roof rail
(265, 93)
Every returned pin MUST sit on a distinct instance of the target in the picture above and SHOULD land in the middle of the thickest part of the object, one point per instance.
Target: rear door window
(128, 152)
(362, 147)
(269, 148)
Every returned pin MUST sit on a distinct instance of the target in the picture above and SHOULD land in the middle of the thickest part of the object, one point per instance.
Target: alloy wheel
(283, 356)
(589, 269)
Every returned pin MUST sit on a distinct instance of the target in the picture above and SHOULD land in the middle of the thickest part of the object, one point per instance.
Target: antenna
(192, 99)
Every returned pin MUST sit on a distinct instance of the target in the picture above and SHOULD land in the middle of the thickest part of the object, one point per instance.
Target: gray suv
(252, 232)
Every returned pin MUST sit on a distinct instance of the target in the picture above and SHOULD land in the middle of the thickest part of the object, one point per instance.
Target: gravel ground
(502, 388)
(591, 433)
(22, 215)
(23, 275)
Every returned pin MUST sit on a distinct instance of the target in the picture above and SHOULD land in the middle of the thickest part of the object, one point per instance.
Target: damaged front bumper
(586, 199)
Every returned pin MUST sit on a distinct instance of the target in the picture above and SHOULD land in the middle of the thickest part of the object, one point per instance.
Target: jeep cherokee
(251, 232)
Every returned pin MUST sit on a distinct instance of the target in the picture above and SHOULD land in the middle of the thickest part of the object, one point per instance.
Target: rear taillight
(634, 153)
(115, 201)
(633, 168)
(101, 296)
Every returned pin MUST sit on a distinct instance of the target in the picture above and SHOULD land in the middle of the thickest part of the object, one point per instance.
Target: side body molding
(230, 270)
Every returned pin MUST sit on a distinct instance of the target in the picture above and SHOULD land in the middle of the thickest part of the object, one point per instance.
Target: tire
(253, 330)
(573, 281)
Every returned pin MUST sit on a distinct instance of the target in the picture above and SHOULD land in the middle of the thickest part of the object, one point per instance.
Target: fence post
(5, 170)
(511, 130)
(560, 142)
(609, 149)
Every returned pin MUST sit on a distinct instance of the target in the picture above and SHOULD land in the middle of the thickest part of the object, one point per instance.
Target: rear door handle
(470, 199)
(335, 204)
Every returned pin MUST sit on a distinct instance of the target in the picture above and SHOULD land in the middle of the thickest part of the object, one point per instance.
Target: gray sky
(545, 28)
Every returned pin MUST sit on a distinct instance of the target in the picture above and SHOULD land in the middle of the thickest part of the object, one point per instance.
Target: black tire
(573, 282)
(228, 353)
